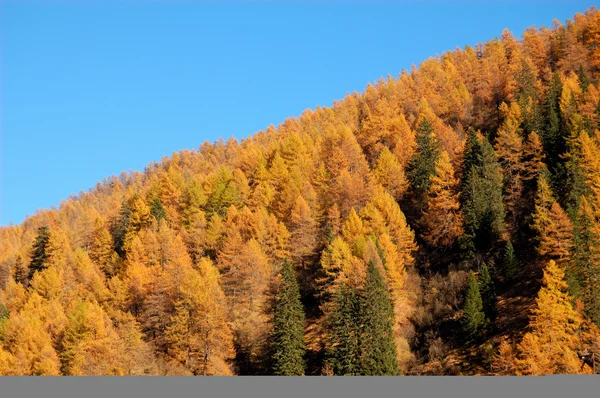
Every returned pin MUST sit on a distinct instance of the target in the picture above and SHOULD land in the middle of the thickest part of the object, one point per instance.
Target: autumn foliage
(388, 234)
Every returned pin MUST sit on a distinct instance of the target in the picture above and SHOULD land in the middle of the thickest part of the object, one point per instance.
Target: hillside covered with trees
(446, 221)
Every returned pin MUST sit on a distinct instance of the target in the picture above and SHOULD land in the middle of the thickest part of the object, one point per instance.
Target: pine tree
(39, 254)
(584, 277)
(343, 353)
(377, 347)
(157, 210)
(488, 293)
(481, 197)
(584, 79)
(422, 164)
(473, 320)
(471, 156)
(287, 339)
(510, 260)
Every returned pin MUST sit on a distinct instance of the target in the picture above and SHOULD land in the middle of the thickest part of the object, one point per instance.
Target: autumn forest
(442, 222)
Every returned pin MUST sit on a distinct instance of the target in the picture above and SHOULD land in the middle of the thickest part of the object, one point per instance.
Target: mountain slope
(483, 160)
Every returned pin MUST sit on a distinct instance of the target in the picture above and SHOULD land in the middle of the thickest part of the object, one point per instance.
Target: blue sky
(90, 89)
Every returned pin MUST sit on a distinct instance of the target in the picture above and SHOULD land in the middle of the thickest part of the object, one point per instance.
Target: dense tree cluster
(385, 235)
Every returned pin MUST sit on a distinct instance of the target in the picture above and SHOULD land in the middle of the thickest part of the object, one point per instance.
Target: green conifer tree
(422, 164)
(481, 198)
(378, 350)
(343, 353)
(584, 277)
(510, 260)
(488, 293)
(473, 319)
(39, 253)
(157, 210)
(287, 340)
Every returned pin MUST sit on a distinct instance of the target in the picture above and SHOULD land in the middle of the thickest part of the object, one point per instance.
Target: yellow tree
(31, 352)
(551, 344)
(554, 230)
(91, 345)
(384, 126)
(504, 360)
(170, 196)
(303, 227)
(443, 218)
(165, 287)
(390, 174)
(101, 247)
(533, 156)
(198, 334)
(509, 148)
(382, 214)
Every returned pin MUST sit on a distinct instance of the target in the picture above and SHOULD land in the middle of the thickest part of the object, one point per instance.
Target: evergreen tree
(378, 350)
(344, 332)
(511, 262)
(39, 254)
(584, 277)
(554, 138)
(119, 229)
(422, 164)
(473, 319)
(584, 79)
(488, 293)
(471, 155)
(157, 210)
(287, 340)
(482, 204)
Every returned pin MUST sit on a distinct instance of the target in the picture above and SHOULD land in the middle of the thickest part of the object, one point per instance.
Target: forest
(442, 222)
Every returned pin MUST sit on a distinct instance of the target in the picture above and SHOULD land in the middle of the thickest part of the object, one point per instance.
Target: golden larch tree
(443, 218)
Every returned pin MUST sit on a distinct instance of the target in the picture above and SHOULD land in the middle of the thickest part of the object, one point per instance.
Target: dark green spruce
(361, 340)
(39, 252)
(377, 344)
(422, 164)
(343, 353)
(119, 229)
(510, 260)
(584, 277)
(488, 293)
(473, 319)
(287, 340)
(157, 210)
(481, 197)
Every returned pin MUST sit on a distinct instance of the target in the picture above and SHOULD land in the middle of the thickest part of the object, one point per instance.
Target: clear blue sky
(89, 89)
